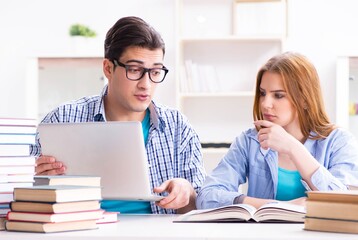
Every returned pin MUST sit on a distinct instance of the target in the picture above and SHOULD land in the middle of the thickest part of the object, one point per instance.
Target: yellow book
(331, 225)
(57, 193)
(79, 180)
(50, 227)
(54, 217)
(335, 210)
(43, 207)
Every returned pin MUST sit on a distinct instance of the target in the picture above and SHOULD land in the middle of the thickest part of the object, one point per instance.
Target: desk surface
(161, 227)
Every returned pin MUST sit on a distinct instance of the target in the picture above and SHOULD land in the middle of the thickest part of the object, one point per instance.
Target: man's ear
(107, 68)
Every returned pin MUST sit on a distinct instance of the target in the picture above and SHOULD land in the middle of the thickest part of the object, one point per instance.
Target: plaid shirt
(173, 147)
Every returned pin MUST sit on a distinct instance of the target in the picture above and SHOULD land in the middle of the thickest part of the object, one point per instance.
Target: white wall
(32, 28)
(323, 30)
(320, 29)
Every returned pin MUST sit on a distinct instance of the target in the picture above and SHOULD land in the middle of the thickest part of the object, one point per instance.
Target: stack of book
(78, 180)
(332, 211)
(17, 167)
(55, 208)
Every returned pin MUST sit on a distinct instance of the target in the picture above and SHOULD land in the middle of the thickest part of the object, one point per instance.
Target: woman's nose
(266, 102)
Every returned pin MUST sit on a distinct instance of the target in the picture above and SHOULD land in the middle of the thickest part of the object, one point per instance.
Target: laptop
(114, 151)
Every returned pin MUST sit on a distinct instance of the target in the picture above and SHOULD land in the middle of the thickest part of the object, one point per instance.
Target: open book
(270, 212)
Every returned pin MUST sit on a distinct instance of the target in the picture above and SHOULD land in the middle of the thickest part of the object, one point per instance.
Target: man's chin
(141, 107)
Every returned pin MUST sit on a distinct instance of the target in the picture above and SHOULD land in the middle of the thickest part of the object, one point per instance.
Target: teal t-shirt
(131, 206)
(289, 185)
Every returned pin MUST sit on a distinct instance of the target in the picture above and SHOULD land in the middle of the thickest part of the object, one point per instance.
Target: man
(133, 65)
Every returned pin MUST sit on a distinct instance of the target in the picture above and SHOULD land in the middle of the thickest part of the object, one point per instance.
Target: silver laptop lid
(115, 151)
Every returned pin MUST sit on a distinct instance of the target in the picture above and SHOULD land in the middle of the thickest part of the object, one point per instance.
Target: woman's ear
(305, 107)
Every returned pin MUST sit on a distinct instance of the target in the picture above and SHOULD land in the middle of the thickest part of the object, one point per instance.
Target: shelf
(217, 65)
(218, 94)
(232, 39)
(214, 150)
(232, 65)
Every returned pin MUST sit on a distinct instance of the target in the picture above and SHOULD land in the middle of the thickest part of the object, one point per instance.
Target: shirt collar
(155, 116)
(99, 108)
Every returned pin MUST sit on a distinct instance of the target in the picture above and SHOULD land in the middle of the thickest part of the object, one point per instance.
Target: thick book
(50, 227)
(57, 193)
(350, 196)
(14, 150)
(18, 129)
(54, 207)
(17, 138)
(18, 122)
(17, 169)
(270, 212)
(79, 180)
(7, 178)
(17, 161)
(9, 187)
(4, 209)
(331, 225)
(336, 210)
(108, 217)
(6, 197)
(54, 217)
(2, 223)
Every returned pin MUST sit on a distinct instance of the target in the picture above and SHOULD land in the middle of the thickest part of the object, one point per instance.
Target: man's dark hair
(128, 32)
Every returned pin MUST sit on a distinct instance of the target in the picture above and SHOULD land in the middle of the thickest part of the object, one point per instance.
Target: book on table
(17, 138)
(18, 122)
(17, 169)
(6, 197)
(79, 180)
(345, 196)
(4, 209)
(57, 193)
(17, 161)
(331, 225)
(52, 207)
(7, 178)
(54, 217)
(336, 210)
(108, 217)
(14, 150)
(2, 223)
(269, 212)
(14, 129)
(9, 186)
(332, 211)
(50, 227)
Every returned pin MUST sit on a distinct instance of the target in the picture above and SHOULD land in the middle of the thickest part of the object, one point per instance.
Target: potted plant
(81, 30)
(83, 40)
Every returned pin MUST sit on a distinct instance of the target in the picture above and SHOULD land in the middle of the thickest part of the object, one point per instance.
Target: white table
(136, 227)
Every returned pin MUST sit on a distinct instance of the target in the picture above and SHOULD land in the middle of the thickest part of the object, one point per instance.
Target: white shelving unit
(218, 56)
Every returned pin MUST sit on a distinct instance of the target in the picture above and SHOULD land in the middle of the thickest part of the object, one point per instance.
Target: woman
(293, 147)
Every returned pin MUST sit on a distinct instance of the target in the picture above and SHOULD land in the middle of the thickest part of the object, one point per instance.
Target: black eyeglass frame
(145, 70)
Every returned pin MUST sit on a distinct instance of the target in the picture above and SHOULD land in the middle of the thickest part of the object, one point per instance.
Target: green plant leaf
(81, 30)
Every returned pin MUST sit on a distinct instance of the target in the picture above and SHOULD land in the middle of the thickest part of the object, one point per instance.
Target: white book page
(231, 212)
(281, 211)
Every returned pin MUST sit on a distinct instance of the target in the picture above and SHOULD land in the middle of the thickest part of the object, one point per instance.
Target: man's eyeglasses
(135, 73)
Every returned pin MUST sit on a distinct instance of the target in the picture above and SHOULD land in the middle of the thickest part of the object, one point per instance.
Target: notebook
(114, 151)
